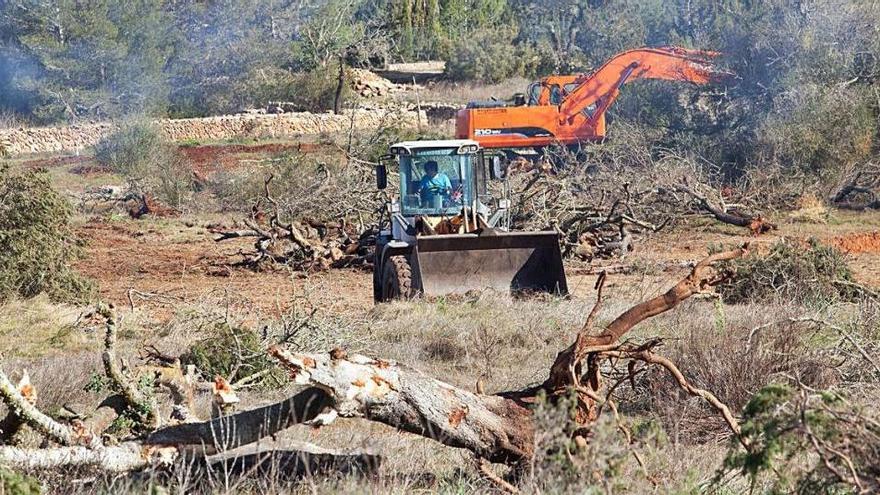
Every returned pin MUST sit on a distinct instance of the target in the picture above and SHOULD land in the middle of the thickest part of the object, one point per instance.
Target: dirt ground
(171, 260)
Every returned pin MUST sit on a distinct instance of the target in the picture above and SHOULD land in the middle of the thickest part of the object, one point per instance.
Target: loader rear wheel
(397, 279)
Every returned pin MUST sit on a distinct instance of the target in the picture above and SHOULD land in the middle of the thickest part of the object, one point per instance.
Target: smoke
(18, 76)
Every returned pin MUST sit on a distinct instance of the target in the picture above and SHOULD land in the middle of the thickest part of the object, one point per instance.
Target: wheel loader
(444, 234)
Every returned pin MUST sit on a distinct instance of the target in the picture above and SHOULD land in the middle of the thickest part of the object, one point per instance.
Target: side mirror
(382, 171)
(381, 176)
(498, 168)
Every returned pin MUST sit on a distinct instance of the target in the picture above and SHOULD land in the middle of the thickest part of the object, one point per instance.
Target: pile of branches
(306, 244)
(859, 191)
(602, 210)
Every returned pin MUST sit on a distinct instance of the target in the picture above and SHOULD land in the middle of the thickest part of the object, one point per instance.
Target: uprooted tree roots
(497, 428)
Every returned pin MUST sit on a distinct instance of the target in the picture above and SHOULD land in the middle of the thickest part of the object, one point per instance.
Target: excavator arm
(599, 90)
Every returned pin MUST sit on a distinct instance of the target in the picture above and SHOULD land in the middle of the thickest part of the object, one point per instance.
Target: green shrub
(800, 442)
(817, 131)
(792, 272)
(489, 56)
(12, 483)
(151, 165)
(233, 353)
(37, 243)
(313, 91)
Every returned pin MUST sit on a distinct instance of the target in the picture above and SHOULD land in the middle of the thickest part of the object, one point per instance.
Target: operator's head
(431, 168)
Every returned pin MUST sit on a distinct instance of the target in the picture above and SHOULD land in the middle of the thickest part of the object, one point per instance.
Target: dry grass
(38, 327)
(10, 120)
(810, 209)
(507, 343)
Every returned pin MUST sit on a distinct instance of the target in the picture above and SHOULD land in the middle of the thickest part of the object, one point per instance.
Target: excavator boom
(671, 64)
(571, 109)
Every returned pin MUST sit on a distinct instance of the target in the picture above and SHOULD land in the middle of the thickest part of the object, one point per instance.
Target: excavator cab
(445, 234)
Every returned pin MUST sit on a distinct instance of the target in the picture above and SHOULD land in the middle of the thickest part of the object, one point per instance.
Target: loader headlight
(503, 204)
(394, 207)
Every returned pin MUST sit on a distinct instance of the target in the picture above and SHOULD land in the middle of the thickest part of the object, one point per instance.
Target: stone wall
(78, 137)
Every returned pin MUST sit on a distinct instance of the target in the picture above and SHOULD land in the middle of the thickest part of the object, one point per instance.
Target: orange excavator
(569, 109)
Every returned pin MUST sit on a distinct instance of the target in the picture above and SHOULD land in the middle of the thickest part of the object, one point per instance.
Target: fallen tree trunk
(755, 223)
(496, 428)
(233, 431)
(499, 428)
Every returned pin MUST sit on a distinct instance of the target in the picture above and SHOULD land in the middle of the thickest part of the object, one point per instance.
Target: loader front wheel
(397, 279)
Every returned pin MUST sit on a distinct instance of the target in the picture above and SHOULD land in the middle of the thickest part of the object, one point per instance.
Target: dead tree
(497, 428)
(305, 244)
(756, 223)
(226, 439)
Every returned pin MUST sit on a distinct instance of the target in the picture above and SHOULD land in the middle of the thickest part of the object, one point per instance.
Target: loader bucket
(509, 261)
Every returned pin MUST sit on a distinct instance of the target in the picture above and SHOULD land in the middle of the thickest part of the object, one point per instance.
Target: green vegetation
(233, 353)
(781, 425)
(801, 103)
(151, 165)
(790, 272)
(13, 483)
(37, 243)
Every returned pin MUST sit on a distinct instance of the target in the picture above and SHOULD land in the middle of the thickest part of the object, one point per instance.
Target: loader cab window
(435, 182)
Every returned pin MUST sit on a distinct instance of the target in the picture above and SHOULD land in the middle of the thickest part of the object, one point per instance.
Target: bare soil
(183, 263)
(177, 257)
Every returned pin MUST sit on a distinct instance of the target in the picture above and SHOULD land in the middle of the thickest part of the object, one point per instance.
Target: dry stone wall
(18, 141)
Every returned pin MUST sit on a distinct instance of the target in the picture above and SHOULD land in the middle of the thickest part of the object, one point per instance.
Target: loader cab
(458, 181)
(436, 181)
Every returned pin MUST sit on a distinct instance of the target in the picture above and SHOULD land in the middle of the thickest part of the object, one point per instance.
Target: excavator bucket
(507, 262)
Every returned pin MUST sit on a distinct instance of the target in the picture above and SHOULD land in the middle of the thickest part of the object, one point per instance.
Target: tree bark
(566, 369)
(340, 84)
(230, 432)
(496, 428)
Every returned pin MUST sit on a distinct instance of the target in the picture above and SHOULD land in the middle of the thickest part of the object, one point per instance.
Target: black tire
(397, 279)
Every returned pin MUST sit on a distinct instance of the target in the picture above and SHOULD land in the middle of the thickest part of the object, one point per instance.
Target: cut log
(230, 432)
(495, 428)
(129, 456)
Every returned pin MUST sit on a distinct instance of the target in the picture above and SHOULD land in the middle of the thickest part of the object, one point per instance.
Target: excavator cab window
(436, 182)
(535, 94)
(555, 95)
